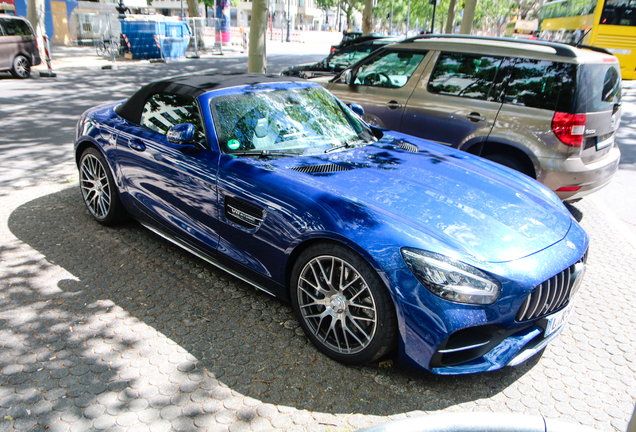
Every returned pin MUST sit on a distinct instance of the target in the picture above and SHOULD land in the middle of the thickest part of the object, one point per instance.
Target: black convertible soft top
(193, 86)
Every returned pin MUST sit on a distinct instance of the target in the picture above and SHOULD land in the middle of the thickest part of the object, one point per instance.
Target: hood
(473, 205)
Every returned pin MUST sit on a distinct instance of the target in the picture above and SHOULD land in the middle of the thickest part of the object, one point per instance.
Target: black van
(18, 46)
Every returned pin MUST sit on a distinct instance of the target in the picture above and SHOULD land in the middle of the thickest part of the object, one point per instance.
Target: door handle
(475, 117)
(393, 105)
(136, 145)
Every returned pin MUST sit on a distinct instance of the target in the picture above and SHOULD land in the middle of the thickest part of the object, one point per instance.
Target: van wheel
(510, 162)
(21, 67)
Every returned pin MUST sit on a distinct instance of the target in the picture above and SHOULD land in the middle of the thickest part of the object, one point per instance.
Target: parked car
(548, 110)
(18, 46)
(341, 58)
(378, 239)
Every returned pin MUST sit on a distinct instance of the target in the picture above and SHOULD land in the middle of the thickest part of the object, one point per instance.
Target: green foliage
(488, 14)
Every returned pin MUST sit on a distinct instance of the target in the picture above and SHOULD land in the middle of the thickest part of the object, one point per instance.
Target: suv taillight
(569, 128)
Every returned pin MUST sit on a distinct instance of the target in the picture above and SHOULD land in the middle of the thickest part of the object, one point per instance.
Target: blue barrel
(173, 38)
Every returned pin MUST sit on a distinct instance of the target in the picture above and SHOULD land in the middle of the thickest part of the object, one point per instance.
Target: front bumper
(448, 338)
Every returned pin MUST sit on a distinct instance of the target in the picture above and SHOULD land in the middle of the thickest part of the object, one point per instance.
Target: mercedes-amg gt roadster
(380, 241)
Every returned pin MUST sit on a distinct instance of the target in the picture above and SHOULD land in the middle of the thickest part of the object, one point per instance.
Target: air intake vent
(243, 213)
(553, 294)
(323, 168)
(408, 147)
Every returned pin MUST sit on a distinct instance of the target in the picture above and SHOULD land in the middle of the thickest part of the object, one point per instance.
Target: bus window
(618, 12)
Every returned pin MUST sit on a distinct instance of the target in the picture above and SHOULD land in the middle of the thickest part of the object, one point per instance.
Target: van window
(541, 84)
(599, 88)
(16, 27)
(464, 75)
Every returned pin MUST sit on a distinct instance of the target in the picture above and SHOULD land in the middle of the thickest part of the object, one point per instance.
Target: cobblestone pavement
(116, 329)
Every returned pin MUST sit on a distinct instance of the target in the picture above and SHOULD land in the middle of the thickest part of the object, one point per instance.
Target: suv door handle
(393, 105)
(136, 144)
(475, 117)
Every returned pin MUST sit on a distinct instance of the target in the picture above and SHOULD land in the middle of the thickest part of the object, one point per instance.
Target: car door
(383, 84)
(455, 102)
(175, 185)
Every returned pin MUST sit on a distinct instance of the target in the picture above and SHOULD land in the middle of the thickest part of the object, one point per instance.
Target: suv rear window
(541, 84)
(15, 27)
(599, 88)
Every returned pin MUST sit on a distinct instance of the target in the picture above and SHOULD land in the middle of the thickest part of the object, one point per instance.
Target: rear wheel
(98, 188)
(21, 67)
(342, 304)
(510, 162)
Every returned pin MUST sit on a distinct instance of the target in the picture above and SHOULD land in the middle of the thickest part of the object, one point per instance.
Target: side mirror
(181, 134)
(356, 109)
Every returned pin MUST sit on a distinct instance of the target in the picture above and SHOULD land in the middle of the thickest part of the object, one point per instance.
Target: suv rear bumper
(573, 172)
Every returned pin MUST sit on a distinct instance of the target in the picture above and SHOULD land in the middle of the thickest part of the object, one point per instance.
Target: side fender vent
(243, 213)
(322, 168)
(408, 147)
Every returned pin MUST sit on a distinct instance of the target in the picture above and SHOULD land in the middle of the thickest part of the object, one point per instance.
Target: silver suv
(548, 110)
(18, 46)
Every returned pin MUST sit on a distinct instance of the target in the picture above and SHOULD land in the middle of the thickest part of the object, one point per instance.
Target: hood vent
(322, 168)
(408, 147)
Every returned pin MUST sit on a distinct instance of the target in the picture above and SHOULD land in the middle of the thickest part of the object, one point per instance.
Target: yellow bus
(609, 24)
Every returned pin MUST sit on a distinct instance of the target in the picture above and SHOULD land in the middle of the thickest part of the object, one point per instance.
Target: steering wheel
(377, 78)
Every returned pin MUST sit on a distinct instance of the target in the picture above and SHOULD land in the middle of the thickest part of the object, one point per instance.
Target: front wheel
(342, 304)
(21, 67)
(98, 188)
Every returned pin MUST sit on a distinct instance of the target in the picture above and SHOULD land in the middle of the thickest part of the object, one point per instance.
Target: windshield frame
(363, 131)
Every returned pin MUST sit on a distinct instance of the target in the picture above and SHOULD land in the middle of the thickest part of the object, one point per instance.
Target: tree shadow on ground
(142, 319)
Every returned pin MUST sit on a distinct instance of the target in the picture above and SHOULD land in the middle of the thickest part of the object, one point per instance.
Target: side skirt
(205, 257)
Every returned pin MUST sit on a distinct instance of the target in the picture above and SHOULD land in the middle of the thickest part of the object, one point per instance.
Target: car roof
(192, 85)
(12, 17)
(504, 46)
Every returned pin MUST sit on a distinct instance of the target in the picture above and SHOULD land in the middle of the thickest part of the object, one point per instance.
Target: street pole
(433, 21)
(182, 10)
(288, 20)
(340, 16)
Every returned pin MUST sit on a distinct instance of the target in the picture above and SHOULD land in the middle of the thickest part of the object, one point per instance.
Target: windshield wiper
(264, 153)
(347, 144)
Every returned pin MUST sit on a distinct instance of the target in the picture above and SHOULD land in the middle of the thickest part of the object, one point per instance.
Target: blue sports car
(379, 240)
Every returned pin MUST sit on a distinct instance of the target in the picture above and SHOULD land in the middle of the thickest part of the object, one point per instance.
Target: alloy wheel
(337, 305)
(95, 187)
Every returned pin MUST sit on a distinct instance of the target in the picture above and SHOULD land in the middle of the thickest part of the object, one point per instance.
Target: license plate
(557, 320)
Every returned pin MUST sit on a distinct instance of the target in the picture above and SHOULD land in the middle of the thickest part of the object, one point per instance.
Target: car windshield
(300, 120)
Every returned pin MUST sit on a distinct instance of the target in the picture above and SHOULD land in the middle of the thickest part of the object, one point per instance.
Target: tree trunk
(193, 8)
(256, 59)
(35, 15)
(469, 16)
(367, 18)
(450, 21)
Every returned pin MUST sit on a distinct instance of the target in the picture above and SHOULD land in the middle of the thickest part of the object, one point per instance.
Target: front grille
(322, 168)
(553, 294)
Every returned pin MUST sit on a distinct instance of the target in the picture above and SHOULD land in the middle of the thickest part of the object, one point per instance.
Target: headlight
(451, 279)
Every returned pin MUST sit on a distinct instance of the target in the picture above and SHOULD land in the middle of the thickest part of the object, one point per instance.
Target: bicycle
(107, 47)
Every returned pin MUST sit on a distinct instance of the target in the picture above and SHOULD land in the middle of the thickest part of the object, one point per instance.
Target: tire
(100, 49)
(510, 162)
(21, 67)
(98, 188)
(342, 304)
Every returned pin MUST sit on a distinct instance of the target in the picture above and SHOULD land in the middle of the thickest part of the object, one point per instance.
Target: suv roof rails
(595, 48)
(561, 49)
